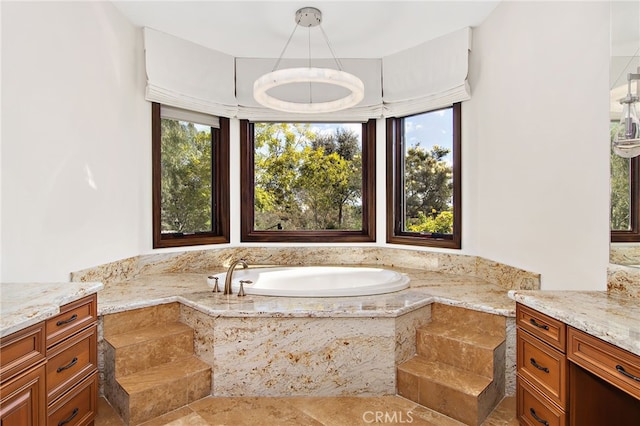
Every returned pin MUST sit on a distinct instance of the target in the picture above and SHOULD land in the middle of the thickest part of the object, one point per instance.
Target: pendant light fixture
(626, 140)
(308, 17)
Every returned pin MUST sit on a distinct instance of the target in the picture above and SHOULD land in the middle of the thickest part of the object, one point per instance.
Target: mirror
(625, 59)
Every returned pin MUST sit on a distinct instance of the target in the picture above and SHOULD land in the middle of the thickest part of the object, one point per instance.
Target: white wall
(536, 141)
(75, 139)
(76, 143)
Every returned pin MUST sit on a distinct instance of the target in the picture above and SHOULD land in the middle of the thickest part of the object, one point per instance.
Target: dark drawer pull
(542, 326)
(68, 419)
(71, 364)
(538, 419)
(67, 321)
(538, 366)
(624, 373)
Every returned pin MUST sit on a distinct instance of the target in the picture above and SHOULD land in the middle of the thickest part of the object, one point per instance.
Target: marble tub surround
(623, 280)
(302, 356)
(607, 316)
(217, 260)
(275, 346)
(25, 304)
(625, 254)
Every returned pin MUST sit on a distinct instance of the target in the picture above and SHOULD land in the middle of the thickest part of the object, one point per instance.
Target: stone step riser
(152, 370)
(169, 396)
(458, 342)
(133, 358)
(464, 355)
(461, 404)
(474, 321)
(124, 322)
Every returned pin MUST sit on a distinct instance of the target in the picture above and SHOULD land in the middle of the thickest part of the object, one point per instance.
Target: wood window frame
(220, 175)
(395, 190)
(247, 173)
(633, 234)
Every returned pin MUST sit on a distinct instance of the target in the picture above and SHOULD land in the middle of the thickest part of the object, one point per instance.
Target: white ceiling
(260, 29)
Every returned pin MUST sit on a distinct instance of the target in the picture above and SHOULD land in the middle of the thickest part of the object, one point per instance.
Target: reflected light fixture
(308, 17)
(626, 140)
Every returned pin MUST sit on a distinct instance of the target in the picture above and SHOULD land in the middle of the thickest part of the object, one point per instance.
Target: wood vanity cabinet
(22, 377)
(48, 371)
(604, 381)
(568, 377)
(72, 364)
(541, 361)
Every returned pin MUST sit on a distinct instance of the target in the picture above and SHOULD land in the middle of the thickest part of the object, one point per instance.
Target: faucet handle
(241, 292)
(216, 288)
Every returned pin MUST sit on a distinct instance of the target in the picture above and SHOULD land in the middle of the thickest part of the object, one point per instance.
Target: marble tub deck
(192, 290)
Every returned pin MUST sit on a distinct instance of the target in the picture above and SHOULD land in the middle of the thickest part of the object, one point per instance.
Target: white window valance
(426, 77)
(189, 76)
(192, 77)
(173, 113)
(368, 70)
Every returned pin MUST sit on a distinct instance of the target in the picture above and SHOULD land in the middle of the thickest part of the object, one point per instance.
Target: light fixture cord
(326, 39)
(635, 55)
(309, 63)
(275, 67)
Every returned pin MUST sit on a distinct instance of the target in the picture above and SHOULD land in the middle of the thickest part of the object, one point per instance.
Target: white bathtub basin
(316, 281)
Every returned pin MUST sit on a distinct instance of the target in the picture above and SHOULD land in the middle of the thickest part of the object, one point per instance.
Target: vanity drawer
(542, 326)
(543, 366)
(72, 318)
(71, 361)
(20, 350)
(77, 407)
(610, 363)
(534, 409)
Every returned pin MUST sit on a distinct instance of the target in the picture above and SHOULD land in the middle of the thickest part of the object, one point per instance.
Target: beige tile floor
(336, 411)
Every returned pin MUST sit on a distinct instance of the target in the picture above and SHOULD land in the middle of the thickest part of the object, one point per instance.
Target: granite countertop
(192, 290)
(25, 304)
(612, 318)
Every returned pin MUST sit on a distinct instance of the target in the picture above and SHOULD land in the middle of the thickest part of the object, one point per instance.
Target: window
(625, 197)
(190, 156)
(308, 182)
(423, 179)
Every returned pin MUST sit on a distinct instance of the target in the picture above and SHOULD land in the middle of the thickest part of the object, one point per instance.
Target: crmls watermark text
(387, 417)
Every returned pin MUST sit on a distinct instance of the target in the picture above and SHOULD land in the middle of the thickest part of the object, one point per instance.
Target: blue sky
(434, 128)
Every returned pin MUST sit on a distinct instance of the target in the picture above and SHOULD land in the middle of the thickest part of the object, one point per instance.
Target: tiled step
(461, 346)
(459, 318)
(147, 347)
(454, 392)
(149, 366)
(160, 389)
(123, 322)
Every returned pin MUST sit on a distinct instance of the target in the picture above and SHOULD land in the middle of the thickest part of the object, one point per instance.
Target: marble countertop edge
(25, 304)
(611, 318)
(12, 323)
(236, 310)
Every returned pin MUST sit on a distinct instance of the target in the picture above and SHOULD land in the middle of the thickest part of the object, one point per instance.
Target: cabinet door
(23, 399)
